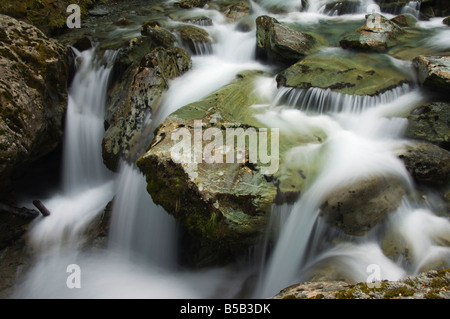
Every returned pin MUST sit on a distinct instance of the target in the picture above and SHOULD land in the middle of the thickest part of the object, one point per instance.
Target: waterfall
(87, 185)
(357, 144)
(349, 138)
(323, 101)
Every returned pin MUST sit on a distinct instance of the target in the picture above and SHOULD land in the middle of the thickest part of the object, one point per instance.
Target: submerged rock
(33, 95)
(434, 72)
(349, 73)
(223, 205)
(282, 43)
(377, 35)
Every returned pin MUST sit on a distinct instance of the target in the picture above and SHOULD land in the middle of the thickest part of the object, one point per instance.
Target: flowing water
(141, 258)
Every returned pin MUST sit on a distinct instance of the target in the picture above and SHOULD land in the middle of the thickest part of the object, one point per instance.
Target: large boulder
(434, 72)
(349, 73)
(223, 205)
(377, 35)
(282, 43)
(145, 86)
(33, 97)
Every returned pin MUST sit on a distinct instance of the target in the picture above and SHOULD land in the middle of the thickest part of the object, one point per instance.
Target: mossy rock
(48, 15)
(33, 95)
(344, 72)
(224, 206)
(430, 122)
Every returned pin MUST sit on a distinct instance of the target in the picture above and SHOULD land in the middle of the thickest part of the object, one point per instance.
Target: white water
(360, 137)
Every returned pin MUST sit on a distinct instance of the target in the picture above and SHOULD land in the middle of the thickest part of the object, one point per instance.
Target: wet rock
(358, 207)
(196, 39)
(146, 83)
(201, 21)
(427, 163)
(348, 73)
(188, 4)
(14, 222)
(446, 21)
(434, 72)
(430, 122)
(33, 97)
(223, 206)
(236, 10)
(377, 35)
(426, 285)
(282, 43)
(405, 20)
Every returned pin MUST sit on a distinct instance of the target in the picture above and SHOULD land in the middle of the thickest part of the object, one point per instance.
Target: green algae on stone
(224, 206)
(344, 72)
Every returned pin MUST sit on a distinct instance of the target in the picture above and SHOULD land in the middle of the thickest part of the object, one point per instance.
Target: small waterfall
(412, 7)
(355, 137)
(356, 145)
(139, 228)
(323, 101)
(87, 185)
(84, 129)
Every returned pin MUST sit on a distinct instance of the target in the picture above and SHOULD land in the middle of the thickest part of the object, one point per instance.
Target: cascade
(360, 137)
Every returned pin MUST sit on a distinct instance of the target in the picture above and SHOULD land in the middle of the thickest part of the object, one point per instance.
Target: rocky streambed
(312, 62)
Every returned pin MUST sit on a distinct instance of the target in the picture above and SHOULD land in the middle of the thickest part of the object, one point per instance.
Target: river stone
(377, 35)
(236, 10)
(188, 4)
(359, 206)
(427, 163)
(431, 284)
(405, 20)
(430, 122)
(352, 73)
(50, 16)
(194, 37)
(446, 21)
(224, 207)
(33, 95)
(282, 43)
(434, 72)
(144, 88)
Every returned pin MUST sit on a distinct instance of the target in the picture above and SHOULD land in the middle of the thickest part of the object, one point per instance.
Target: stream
(140, 259)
